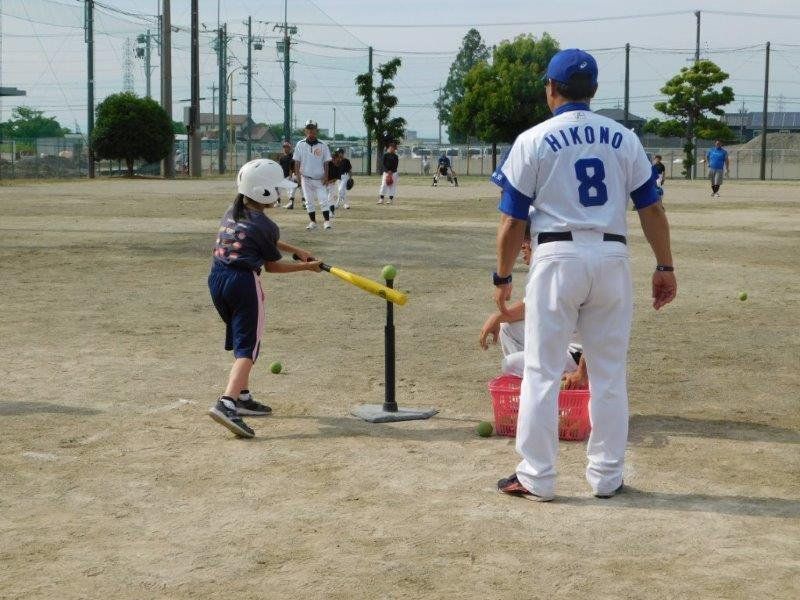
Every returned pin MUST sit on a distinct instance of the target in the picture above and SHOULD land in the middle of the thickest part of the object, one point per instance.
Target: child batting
(248, 241)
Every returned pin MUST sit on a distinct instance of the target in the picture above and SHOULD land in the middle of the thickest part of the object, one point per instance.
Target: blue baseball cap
(567, 63)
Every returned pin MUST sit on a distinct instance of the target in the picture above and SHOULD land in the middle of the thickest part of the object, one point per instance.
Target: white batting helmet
(259, 179)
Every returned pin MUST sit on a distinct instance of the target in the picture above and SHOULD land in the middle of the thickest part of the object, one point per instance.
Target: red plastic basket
(573, 409)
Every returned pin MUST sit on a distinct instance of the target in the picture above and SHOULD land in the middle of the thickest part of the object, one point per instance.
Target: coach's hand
(502, 294)
(665, 286)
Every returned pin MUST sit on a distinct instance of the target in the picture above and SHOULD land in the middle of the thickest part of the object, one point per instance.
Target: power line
(729, 13)
(496, 24)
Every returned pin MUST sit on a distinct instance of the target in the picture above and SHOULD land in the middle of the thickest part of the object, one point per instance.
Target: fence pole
(764, 116)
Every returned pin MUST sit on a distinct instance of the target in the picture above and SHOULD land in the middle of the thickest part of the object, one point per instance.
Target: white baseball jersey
(312, 158)
(577, 169)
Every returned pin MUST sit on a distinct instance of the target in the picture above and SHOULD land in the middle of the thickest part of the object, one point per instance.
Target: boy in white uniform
(311, 158)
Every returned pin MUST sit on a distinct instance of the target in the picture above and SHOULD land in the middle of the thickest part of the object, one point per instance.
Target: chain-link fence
(50, 158)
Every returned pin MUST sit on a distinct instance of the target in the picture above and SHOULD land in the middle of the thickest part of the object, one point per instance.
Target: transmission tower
(127, 65)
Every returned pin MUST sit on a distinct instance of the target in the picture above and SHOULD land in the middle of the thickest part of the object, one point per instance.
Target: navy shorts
(239, 300)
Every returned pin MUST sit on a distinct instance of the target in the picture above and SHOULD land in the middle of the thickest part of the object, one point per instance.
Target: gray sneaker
(224, 412)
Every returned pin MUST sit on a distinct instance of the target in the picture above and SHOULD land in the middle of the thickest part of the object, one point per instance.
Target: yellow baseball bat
(368, 285)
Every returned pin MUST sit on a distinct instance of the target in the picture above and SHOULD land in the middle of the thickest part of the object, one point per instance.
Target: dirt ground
(115, 484)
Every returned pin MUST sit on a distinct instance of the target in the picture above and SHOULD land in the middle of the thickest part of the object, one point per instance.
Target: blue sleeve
(646, 194)
(514, 203)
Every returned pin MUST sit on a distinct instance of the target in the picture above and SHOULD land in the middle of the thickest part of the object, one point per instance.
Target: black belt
(566, 236)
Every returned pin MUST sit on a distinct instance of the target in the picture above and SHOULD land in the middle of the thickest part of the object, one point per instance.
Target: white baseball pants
(288, 193)
(343, 188)
(315, 194)
(512, 341)
(333, 190)
(584, 284)
(388, 190)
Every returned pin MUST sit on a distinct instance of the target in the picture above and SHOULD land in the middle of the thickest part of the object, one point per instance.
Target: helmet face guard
(259, 180)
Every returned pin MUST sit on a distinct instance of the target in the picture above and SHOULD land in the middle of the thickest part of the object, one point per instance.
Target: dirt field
(115, 484)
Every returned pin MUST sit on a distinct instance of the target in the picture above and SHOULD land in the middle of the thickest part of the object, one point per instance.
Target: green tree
(179, 127)
(378, 104)
(27, 122)
(693, 97)
(472, 52)
(129, 128)
(505, 98)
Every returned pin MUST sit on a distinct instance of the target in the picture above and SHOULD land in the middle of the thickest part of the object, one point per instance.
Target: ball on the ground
(742, 296)
(389, 272)
(484, 429)
(276, 367)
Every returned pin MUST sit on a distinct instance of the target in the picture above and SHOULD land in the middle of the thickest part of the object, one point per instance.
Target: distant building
(617, 114)
(209, 126)
(747, 125)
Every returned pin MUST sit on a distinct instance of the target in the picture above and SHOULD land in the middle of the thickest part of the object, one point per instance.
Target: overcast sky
(43, 50)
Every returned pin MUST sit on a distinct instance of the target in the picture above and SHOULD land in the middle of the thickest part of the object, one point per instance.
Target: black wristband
(665, 268)
(497, 280)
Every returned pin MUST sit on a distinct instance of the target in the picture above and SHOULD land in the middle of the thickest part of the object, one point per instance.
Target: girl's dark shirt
(246, 244)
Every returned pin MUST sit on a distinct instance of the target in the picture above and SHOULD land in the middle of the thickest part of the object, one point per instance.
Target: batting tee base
(374, 413)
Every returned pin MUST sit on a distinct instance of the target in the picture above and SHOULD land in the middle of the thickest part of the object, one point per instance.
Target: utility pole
(249, 86)
(696, 100)
(627, 85)
(742, 113)
(285, 47)
(222, 58)
(233, 162)
(369, 129)
(89, 39)
(143, 51)
(195, 155)
(214, 123)
(438, 114)
(168, 164)
(763, 173)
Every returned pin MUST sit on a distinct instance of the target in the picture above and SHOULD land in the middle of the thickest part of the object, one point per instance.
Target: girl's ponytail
(238, 208)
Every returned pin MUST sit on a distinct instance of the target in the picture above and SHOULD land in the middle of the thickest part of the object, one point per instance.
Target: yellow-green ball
(742, 296)
(276, 367)
(389, 272)
(484, 429)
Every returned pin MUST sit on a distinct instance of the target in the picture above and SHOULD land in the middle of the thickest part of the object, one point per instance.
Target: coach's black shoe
(608, 495)
(224, 412)
(251, 408)
(513, 487)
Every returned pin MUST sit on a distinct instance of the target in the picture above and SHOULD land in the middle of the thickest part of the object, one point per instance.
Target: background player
(389, 163)
(444, 168)
(345, 169)
(577, 170)
(311, 158)
(660, 172)
(247, 241)
(287, 164)
(718, 160)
